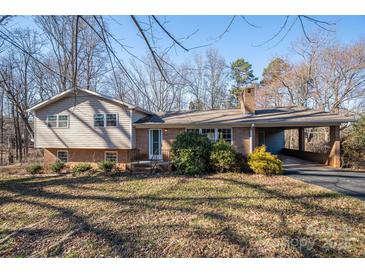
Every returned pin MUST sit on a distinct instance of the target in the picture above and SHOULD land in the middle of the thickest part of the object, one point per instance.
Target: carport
(332, 158)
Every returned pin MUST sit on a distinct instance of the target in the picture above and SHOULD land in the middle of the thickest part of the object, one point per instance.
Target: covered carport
(331, 158)
(269, 127)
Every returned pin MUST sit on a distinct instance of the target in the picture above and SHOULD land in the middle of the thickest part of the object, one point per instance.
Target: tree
(274, 89)
(216, 79)
(242, 74)
(353, 144)
(328, 76)
(196, 105)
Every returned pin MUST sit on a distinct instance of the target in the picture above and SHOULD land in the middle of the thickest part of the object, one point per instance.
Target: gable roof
(67, 92)
(280, 116)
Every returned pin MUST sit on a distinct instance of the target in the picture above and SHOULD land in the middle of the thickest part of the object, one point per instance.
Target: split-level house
(85, 126)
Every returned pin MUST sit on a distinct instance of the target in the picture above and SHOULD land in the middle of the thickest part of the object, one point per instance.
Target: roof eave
(246, 124)
(62, 94)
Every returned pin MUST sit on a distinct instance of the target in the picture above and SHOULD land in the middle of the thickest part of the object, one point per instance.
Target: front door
(155, 143)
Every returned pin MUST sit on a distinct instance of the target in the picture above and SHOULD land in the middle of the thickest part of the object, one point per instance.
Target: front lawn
(222, 215)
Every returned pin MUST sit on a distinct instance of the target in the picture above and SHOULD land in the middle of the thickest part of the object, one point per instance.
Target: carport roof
(268, 117)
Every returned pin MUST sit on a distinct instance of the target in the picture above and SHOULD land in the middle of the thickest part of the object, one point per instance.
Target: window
(99, 120)
(111, 156)
(225, 134)
(52, 120)
(210, 133)
(111, 120)
(192, 130)
(105, 120)
(57, 121)
(62, 155)
(261, 134)
(62, 121)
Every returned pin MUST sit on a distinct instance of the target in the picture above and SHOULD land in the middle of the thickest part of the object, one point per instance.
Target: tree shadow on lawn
(307, 245)
(124, 243)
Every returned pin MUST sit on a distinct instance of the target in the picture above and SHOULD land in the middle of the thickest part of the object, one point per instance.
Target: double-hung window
(99, 120)
(62, 155)
(105, 120)
(63, 121)
(58, 121)
(111, 156)
(111, 120)
(52, 120)
(213, 134)
(210, 133)
(225, 134)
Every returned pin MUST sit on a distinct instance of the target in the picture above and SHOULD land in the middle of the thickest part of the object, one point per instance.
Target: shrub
(107, 166)
(81, 168)
(34, 168)
(222, 157)
(190, 153)
(240, 163)
(57, 166)
(263, 162)
(353, 144)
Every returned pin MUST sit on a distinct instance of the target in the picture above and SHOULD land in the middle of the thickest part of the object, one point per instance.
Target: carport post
(301, 141)
(334, 157)
(252, 138)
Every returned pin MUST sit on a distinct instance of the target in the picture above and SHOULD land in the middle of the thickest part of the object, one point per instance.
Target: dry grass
(222, 215)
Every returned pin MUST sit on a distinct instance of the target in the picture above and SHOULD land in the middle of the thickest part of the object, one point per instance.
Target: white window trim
(149, 143)
(216, 135)
(116, 119)
(226, 128)
(57, 120)
(104, 119)
(63, 150)
(68, 120)
(47, 120)
(111, 151)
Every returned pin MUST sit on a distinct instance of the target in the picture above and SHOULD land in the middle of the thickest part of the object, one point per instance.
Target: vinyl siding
(81, 132)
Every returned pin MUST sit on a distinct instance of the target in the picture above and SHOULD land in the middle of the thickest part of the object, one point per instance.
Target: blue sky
(238, 42)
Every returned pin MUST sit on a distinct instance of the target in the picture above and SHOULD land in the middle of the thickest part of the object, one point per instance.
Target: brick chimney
(247, 100)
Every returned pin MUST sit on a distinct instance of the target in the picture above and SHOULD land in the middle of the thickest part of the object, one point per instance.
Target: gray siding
(81, 132)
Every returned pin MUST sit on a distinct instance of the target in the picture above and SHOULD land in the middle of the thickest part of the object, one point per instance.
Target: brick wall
(241, 139)
(92, 156)
(168, 137)
(142, 143)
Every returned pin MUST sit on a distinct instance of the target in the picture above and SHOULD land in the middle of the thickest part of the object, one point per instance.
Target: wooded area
(80, 51)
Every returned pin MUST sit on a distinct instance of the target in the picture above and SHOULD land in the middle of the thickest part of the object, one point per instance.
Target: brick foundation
(92, 156)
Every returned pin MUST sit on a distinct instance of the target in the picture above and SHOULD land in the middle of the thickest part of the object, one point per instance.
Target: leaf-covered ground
(221, 215)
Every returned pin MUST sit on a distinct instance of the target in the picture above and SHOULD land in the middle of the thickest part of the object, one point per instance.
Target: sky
(241, 40)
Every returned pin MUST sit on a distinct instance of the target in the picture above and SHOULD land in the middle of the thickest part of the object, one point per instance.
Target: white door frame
(151, 156)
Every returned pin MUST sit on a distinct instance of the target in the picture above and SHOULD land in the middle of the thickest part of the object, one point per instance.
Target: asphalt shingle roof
(284, 116)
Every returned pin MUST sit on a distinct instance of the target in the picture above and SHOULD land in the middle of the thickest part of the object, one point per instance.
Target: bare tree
(217, 78)
(329, 77)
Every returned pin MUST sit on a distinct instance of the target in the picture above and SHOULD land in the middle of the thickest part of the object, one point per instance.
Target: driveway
(343, 181)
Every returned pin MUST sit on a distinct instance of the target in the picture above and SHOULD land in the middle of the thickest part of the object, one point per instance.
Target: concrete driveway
(342, 181)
